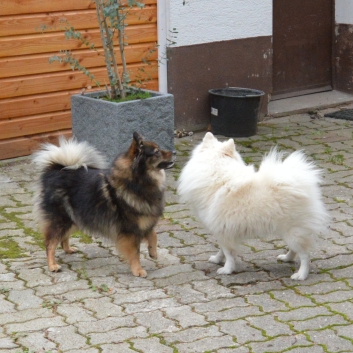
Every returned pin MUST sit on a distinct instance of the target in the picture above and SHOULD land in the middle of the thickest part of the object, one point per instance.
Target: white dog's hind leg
(300, 240)
(287, 257)
(304, 267)
(229, 266)
(218, 258)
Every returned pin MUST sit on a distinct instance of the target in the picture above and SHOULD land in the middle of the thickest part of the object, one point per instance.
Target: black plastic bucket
(234, 111)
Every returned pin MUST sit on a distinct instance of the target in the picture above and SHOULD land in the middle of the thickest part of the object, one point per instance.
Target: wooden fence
(35, 95)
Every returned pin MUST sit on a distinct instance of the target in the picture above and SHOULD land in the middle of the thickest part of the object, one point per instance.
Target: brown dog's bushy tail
(70, 154)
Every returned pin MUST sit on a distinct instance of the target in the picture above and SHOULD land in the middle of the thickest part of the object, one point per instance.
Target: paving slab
(95, 305)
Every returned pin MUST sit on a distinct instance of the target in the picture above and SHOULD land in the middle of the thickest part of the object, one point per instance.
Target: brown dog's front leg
(152, 244)
(129, 247)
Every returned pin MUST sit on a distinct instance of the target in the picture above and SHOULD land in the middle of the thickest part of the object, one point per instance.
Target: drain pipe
(163, 7)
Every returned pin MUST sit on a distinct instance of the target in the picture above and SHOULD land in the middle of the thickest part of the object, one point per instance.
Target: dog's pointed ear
(208, 137)
(138, 139)
(229, 147)
(136, 145)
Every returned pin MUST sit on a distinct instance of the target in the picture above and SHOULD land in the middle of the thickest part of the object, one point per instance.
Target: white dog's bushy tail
(294, 168)
(70, 154)
(298, 176)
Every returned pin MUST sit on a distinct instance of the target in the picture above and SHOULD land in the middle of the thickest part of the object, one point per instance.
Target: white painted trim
(344, 11)
(208, 21)
(163, 7)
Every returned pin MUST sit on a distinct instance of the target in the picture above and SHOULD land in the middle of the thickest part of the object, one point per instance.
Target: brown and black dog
(123, 202)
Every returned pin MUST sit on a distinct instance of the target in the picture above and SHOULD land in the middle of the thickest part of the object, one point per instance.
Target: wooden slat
(38, 104)
(34, 125)
(37, 64)
(46, 23)
(151, 85)
(24, 146)
(32, 24)
(37, 84)
(53, 42)
(11, 7)
(45, 103)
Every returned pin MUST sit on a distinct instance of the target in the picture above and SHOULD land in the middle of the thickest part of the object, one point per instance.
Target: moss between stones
(84, 238)
(9, 249)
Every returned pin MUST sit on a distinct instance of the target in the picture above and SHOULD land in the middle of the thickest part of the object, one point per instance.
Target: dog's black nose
(174, 153)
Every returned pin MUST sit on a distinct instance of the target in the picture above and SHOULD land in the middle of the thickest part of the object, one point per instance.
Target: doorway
(302, 47)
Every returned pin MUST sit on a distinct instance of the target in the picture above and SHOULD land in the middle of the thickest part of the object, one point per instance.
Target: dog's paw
(153, 256)
(214, 259)
(153, 253)
(298, 277)
(284, 258)
(139, 273)
(224, 271)
(71, 250)
(54, 268)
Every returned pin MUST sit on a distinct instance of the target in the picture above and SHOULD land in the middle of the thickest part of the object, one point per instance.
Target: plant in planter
(106, 124)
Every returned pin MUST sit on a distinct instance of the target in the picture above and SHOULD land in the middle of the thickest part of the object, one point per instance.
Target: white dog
(235, 202)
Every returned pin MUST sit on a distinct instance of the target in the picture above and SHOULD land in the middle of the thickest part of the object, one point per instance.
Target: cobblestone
(236, 330)
(185, 316)
(94, 305)
(279, 344)
(330, 341)
(205, 344)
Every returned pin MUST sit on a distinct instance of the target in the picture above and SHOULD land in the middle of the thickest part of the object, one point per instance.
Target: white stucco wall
(344, 11)
(205, 21)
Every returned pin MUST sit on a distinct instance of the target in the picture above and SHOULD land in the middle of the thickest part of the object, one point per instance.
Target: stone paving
(95, 305)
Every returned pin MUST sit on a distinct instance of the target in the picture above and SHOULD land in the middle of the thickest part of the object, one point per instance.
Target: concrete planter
(109, 126)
